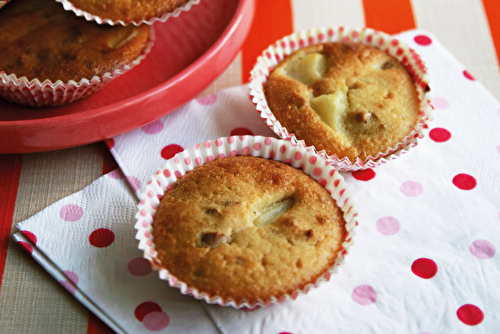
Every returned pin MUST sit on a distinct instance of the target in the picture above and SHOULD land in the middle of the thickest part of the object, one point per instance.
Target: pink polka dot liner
(69, 6)
(34, 93)
(280, 150)
(275, 53)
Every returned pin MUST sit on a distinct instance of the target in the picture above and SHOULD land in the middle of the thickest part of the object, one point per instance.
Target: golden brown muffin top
(348, 99)
(128, 10)
(247, 228)
(39, 39)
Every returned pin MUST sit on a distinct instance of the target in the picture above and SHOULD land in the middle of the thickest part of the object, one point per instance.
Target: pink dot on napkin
(207, 100)
(156, 321)
(116, 174)
(153, 128)
(364, 295)
(73, 277)
(139, 267)
(440, 103)
(134, 182)
(71, 212)
(68, 286)
(411, 189)
(388, 225)
(482, 249)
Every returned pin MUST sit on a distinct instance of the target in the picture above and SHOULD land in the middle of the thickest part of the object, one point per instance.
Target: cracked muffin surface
(247, 228)
(128, 10)
(58, 45)
(348, 99)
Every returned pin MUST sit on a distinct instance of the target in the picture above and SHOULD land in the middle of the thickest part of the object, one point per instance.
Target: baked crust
(373, 98)
(215, 229)
(128, 10)
(39, 39)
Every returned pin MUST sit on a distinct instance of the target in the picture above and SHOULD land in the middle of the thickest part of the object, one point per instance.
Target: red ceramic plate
(190, 52)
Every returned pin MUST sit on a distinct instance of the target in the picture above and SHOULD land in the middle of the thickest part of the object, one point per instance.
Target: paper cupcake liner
(34, 93)
(3, 3)
(275, 53)
(69, 6)
(265, 147)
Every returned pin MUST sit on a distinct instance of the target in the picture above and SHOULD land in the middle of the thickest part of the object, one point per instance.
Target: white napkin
(435, 208)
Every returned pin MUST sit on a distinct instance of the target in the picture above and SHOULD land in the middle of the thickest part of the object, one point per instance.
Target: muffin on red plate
(58, 58)
(245, 230)
(127, 12)
(358, 96)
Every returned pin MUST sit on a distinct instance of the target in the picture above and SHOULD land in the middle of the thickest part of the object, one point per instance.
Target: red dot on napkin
(423, 40)
(464, 181)
(101, 238)
(364, 175)
(424, 268)
(170, 150)
(241, 132)
(468, 75)
(470, 314)
(439, 135)
(143, 309)
(30, 236)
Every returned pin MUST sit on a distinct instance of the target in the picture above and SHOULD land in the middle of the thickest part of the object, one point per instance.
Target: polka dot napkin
(425, 258)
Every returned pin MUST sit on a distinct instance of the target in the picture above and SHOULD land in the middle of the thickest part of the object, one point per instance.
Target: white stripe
(318, 13)
(462, 27)
(232, 76)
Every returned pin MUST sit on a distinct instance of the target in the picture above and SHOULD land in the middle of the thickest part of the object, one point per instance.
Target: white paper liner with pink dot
(34, 93)
(69, 6)
(280, 150)
(275, 53)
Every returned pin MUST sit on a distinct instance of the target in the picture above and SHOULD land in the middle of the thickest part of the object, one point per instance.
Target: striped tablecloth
(31, 301)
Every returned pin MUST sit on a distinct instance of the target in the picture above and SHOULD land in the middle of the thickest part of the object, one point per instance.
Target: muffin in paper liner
(275, 53)
(68, 5)
(36, 93)
(275, 149)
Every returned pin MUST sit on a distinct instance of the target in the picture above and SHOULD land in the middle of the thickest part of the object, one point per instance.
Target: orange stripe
(272, 21)
(390, 16)
(10, 172)
(492, 10)
(109, 164)
(96, 326)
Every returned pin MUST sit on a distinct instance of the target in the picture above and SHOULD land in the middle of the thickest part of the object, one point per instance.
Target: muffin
(244, 230)
(127, 11)
(359, 96)
(58, 46)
